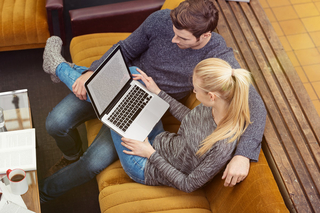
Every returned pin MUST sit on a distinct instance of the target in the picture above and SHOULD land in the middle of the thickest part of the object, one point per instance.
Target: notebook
(121, 103)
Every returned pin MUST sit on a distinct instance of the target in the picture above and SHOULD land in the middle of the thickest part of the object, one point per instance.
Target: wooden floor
(292, 135)
(297, 23)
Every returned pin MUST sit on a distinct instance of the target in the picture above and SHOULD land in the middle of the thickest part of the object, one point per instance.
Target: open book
(18, 150)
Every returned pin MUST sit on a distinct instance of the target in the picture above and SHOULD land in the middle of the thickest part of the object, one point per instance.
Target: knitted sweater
(175, 162)
(150, 48)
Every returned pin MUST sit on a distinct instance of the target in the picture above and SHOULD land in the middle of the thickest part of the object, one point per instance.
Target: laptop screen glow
(109, 81)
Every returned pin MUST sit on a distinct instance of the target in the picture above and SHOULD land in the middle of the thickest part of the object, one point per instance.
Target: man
(167, 46)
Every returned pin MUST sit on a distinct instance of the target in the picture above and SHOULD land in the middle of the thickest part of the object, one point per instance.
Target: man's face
(184, 39)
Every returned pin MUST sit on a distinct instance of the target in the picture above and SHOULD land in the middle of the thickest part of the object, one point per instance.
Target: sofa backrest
(171, 4)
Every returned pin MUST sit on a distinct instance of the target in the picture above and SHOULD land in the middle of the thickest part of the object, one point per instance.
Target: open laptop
(114, 96)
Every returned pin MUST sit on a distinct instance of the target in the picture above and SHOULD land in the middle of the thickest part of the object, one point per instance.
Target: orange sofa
(25, 24)
(118, 193)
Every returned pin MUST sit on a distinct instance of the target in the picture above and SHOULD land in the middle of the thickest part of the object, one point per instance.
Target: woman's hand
(139, 148)
(148, 81)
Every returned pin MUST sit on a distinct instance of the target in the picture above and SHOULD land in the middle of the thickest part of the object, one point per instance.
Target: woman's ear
(212, 96)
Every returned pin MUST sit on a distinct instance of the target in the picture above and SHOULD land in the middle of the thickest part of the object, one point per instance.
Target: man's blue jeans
(61, 124)
(63, 120)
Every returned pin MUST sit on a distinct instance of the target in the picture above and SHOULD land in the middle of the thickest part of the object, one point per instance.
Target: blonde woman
(207, 136)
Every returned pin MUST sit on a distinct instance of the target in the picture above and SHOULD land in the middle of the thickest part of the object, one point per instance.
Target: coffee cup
(18, 181)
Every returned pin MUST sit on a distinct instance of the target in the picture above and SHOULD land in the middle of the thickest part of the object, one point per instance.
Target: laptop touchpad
(146, 120)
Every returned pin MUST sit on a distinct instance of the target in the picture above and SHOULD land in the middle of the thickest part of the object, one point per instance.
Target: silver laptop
(120, 102)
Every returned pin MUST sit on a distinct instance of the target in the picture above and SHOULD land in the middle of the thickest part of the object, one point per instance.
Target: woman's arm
(177, 109)
(215, 160)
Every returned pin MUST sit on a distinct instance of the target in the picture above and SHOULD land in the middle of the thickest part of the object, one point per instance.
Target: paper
(11, 203)
(8, 196)
(10, 207)
(18, 150)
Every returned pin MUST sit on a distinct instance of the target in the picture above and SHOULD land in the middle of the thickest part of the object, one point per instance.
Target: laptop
(121, 103)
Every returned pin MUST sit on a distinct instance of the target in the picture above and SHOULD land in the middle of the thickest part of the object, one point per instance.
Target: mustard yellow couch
(118, 193)
(23, 24)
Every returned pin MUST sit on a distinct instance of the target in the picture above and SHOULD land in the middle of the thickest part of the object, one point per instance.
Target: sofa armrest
(259, 192)
(117, 17)
(56, 5)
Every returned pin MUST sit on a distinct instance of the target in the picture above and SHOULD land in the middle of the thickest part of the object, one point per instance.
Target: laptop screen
(109, 79)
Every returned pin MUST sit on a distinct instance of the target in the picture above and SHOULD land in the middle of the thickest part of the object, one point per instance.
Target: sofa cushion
(136, 197)
(87, 48)
(118, 193)
(23, 24)
(257, 193)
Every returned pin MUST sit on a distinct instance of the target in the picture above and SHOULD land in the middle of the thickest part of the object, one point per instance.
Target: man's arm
(236, 170)
(250, 141)
(249, 145)
(132, 47)
(135, 44)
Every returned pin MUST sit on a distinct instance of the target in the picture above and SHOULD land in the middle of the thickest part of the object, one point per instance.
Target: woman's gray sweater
(175, 162)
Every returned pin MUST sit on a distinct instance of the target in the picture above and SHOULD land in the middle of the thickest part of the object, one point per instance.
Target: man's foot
(52, 57)
(63, 162)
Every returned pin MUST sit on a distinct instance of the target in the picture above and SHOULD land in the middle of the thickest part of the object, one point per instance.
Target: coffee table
(17, 114)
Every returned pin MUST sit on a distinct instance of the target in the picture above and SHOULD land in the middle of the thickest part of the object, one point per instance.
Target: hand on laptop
(148, 81)
(78, 87)
(139, 148)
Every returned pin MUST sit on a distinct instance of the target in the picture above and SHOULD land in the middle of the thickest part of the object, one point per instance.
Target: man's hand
(78, 87)
(236, 171)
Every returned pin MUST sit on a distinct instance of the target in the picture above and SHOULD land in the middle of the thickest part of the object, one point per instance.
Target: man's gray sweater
(150, 48)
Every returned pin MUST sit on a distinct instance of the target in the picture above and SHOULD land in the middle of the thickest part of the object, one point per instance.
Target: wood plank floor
(292, 135)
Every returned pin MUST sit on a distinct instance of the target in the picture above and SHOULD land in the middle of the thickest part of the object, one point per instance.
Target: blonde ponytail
(233, 86)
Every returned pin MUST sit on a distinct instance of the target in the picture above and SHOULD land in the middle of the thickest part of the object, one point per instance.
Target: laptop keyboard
(129, 108)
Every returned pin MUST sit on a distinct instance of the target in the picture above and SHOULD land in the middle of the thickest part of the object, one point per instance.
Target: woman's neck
(219, 110)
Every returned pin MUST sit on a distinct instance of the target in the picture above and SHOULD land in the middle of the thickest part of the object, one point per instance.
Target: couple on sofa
(171, 47)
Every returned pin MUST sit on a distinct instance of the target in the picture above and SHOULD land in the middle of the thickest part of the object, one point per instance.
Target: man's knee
(55, 124)
(98, 157)
(93, 166)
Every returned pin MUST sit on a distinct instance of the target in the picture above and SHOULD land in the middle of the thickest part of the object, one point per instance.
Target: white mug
(18, 181)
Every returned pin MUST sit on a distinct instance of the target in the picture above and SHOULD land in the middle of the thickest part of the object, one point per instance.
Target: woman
(207, 136)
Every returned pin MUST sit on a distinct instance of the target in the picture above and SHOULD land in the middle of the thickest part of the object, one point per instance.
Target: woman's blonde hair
(232, 85)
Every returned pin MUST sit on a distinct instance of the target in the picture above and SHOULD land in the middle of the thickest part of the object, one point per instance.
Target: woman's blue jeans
(62, 124)
(134, 165)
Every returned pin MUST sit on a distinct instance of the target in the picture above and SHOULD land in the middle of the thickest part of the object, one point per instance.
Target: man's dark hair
(196, 16)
